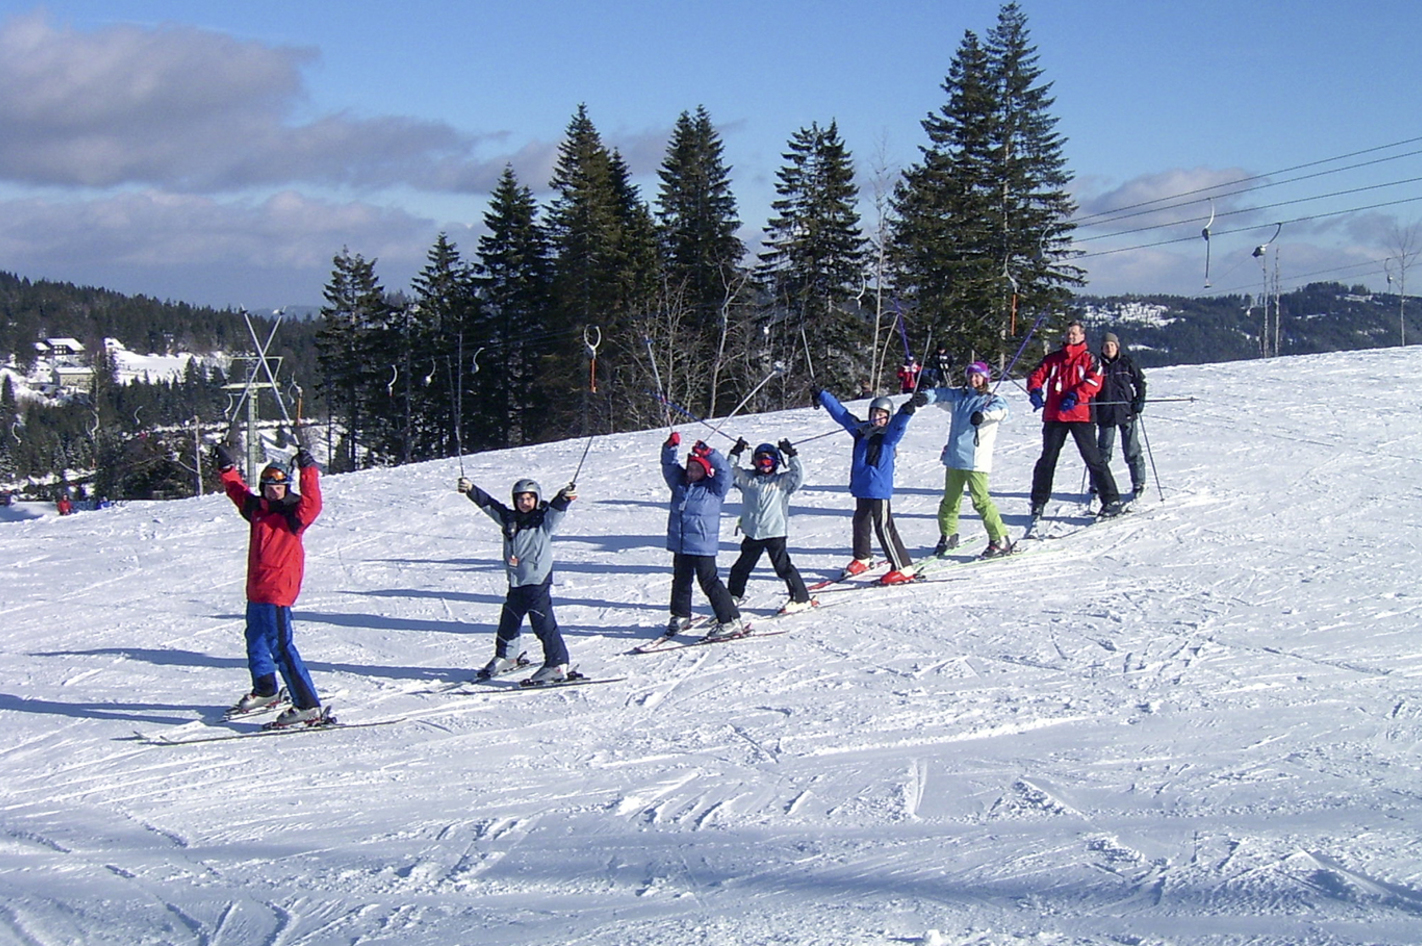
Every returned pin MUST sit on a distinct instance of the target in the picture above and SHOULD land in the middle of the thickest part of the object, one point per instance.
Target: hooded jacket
(694, 521)
(871, 470)
(528, 542)
(765, 504)
(968, 447)
(1070, 368)
(1123, 389)
(276, 559)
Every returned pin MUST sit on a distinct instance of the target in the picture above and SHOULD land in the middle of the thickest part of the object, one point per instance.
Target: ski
(749, 634)
(843, 577)
(490, 688)
(329, 723)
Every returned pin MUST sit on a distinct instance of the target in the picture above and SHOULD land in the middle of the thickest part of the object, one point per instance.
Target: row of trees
(600, 311)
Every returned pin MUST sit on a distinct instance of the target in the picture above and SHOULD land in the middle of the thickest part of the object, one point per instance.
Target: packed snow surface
(1197, 724)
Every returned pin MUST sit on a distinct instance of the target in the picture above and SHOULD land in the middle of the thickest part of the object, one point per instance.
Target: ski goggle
(275, 476)
(764, 461)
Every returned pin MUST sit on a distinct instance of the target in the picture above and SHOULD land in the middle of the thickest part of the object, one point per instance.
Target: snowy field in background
(1199, 724)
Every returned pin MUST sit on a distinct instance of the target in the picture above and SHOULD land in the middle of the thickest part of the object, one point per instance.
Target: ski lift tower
(261, 366)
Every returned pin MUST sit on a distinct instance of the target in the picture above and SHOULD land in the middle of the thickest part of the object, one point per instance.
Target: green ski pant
(954, 482)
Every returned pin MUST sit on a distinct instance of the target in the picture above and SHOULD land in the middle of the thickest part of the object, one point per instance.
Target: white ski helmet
(881, 404)
(526, 485)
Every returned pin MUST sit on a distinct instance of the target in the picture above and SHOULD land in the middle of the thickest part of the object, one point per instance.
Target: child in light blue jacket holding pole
(765, 518)
(967, 457)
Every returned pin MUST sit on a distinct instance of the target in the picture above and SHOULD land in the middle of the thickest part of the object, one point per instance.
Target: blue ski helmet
(766, 458)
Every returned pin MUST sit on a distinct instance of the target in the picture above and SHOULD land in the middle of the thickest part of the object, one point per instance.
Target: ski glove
(740, 447)
(976, 419)
(919, 399)
(221, 458)
(1138, 406)
(304, 458)
(463, 485)
(1035, 396)
(1068, 401)
(786, 448)
(567, 494)
(816, 398)
(908, 408)
(673, 440)
(700, 449)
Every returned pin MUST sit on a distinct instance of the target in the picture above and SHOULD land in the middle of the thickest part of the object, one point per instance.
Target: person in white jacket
(967, 456)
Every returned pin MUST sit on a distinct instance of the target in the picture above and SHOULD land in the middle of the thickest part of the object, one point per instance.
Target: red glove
(673, 440)
(701, 450)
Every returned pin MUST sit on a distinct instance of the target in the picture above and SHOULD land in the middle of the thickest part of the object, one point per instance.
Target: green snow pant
(977, 484)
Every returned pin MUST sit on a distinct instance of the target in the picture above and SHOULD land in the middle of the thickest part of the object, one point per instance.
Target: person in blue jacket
(871, 480)
(967, 457)
(694, 534)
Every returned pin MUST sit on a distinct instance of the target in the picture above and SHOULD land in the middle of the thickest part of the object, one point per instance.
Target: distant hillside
(1321, 317)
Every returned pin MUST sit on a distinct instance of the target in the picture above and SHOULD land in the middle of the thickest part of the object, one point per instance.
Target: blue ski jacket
(968, 447)
(694, 522)
(871, 471)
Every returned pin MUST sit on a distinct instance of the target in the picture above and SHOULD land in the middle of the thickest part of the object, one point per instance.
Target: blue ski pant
(1130, 446)
(270, 649)
(536, 603)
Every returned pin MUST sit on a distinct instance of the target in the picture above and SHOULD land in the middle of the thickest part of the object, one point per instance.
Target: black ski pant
(536, 603)
(785, 569)
(703, 569)
(1054, 435)
(876, 516)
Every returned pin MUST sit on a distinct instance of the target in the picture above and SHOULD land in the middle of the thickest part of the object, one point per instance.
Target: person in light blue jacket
(694, 534)
(765, 517)
(871, 481)
(967, 457)
(527, 530)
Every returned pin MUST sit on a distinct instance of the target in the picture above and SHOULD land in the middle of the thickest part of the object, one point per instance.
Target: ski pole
(1020, 349)
(1149, 453)
(661, 389)
(779, 369)
(1153, 400)
(673, 406)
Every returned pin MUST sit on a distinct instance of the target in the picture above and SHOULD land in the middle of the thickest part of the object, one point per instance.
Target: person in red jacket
(276, 561)
(1070, 378)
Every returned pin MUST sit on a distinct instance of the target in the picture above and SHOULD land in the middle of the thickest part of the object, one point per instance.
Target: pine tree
(445, 310)
(514, 277)
(814, 261)
(354, 367)
(982, 222)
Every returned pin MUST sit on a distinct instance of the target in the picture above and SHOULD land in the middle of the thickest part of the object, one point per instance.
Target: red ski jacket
(1070, 368)
(276, 560)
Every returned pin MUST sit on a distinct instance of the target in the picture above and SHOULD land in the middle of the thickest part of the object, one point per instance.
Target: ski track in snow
(1198, 724)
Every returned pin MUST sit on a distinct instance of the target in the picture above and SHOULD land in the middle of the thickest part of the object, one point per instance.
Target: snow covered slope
(1198, 724)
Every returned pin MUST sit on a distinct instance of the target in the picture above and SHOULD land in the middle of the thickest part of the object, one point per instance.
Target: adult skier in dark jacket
(276, 563)
(527, 531)
(1122, 399)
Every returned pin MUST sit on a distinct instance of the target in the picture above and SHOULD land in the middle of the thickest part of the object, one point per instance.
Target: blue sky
(222, 153)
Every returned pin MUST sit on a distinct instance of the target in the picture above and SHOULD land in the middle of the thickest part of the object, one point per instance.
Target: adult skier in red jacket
(1062, 387)
(276, 562)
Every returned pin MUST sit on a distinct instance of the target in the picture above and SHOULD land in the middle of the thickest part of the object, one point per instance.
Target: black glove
(818, 392)
(976, 419)
(739, 448)
(908, 408)
(1138, 406)
(221, 458)
(919, 399)
(786, 448)
(304, 458)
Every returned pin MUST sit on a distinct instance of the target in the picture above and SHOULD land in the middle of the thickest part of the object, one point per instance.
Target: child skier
(528, 561)
(871, 480)
(276, 562)
(967, 456)
(765, 516)
(694, 534)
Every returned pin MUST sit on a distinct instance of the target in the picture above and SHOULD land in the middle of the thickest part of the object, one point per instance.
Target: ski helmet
(526, 485)
(880, 404)
(978, 367)
(274, 475)
(766, 458)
